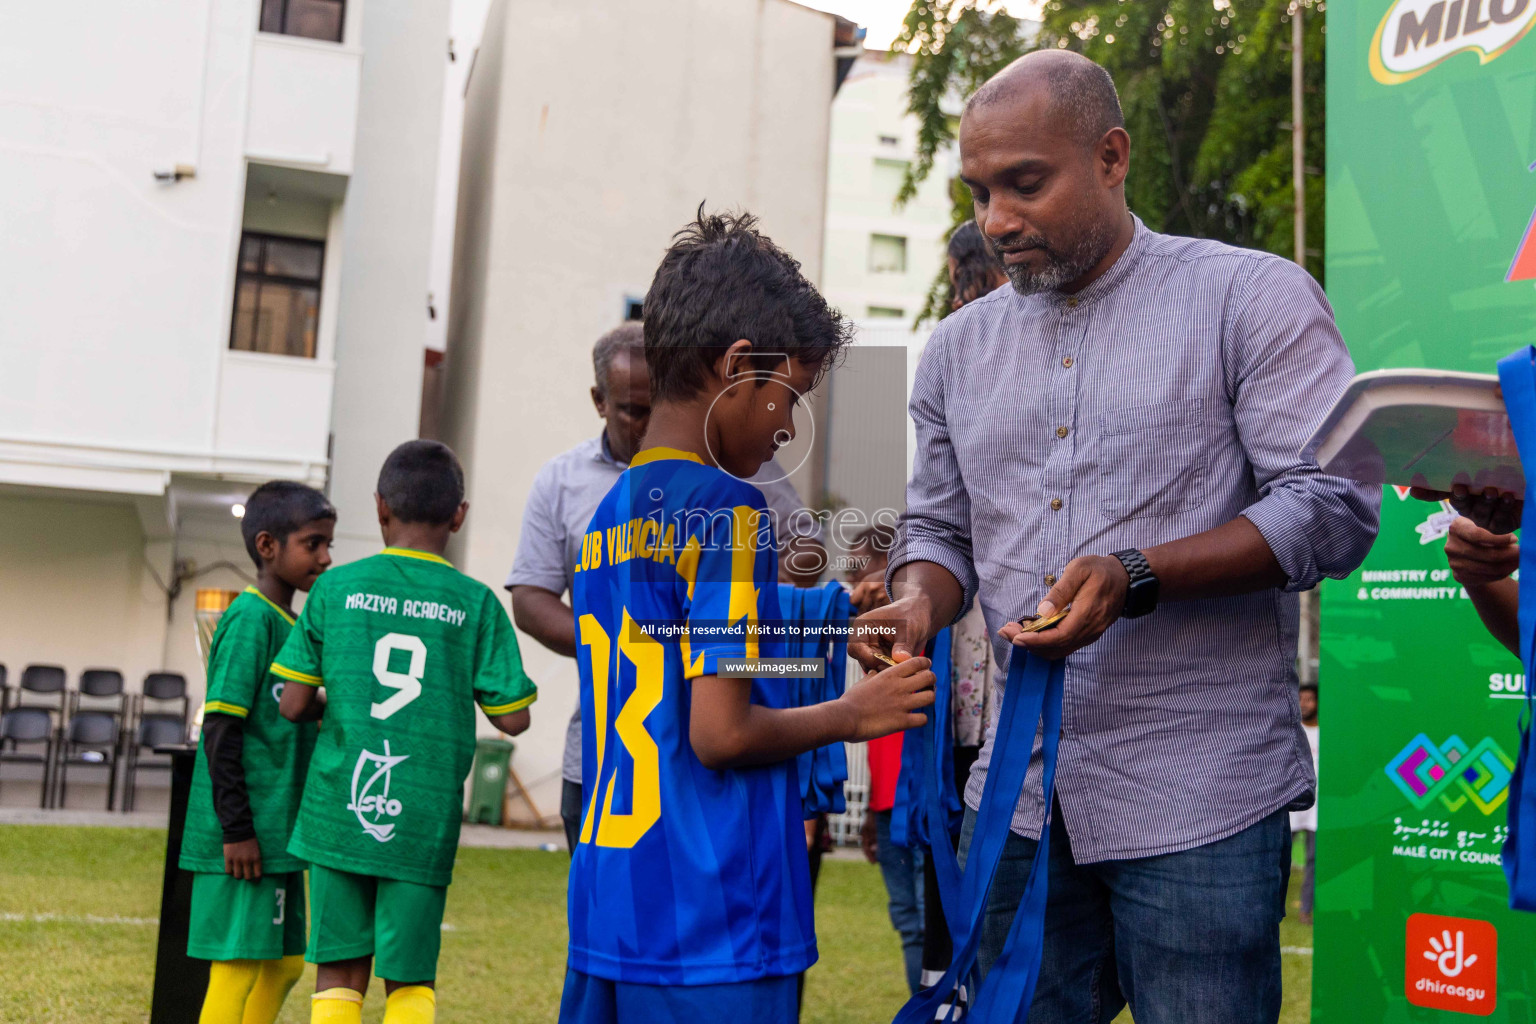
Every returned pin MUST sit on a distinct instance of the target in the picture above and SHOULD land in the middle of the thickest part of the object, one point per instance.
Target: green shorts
(399, 924)
(240, 920)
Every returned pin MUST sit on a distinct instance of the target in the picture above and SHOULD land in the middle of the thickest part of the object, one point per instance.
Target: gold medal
(1036, 624)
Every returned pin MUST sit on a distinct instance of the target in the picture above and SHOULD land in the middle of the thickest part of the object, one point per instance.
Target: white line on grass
(76, 919)
(1296, 950)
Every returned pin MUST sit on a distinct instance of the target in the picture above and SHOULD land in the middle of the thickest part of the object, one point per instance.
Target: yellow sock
(229, 982)
(337, 1006)
(411, 1004)
(273, 984)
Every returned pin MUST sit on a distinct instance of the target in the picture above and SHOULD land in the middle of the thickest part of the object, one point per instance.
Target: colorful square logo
(1452, 964)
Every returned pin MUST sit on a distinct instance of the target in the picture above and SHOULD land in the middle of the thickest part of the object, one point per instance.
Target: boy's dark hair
(422, 482)
(1307, 686)
(974, 266)
(280, 507)
(722, 280)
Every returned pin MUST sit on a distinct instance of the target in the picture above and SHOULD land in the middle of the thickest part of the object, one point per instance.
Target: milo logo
(371, 801)
(1416, 35)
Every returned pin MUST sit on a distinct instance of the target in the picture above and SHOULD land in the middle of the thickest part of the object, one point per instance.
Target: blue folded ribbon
(913, 819)
(823, 770)
(1033, 696)
(1517, 376)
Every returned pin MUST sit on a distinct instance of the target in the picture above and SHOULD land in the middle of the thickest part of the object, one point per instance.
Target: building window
(277, 295)
(634, 309)
(312, 19)
(888, 177)
(889, 140)
(887, 254)
(885, 313)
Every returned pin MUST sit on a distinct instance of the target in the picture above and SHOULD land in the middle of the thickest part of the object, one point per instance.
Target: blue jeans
(1187, 938)
(902, 869)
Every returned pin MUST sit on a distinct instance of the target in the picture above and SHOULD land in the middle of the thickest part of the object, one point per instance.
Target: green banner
(1431, 260)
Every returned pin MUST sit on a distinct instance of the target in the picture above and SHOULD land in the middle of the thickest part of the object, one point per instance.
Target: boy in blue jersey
(689, 894)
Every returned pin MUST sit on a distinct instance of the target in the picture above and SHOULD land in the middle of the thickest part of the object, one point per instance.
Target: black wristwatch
(1141, 597)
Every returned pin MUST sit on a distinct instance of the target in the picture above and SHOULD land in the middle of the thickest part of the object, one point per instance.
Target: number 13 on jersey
(649, 660)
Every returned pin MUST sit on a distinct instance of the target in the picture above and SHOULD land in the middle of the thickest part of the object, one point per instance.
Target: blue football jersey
(683, 875)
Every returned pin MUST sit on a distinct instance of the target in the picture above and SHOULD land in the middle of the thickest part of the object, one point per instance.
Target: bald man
(1118, 434)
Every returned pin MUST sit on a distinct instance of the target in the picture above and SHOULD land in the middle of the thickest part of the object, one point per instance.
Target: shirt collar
(271, 604)
(425, 556)
(1110, 278)
(604, 453)
(661, 454)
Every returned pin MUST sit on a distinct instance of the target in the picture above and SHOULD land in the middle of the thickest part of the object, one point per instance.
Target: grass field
(77, 936)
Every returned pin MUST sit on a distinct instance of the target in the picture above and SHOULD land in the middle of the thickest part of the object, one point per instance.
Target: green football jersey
(405, 646)
(275, 753)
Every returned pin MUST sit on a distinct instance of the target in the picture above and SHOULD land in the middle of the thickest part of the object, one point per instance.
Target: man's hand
(889, 701)
(1095, 587)
(869, 595)
(899, 630)
(242, 860)
(868, 838)
(1478, 556)
(1493, 510)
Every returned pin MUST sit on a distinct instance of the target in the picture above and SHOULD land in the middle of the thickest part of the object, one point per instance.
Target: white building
(880, 262)
(881, 259)
(218, 218)
(592, 132)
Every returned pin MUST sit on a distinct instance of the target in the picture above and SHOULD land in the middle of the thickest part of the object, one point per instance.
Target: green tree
(1206, 87)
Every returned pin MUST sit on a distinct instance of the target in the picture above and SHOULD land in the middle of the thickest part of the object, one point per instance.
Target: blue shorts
(592, 1000)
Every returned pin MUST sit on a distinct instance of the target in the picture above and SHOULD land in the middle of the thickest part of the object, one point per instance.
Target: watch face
(1141, 598)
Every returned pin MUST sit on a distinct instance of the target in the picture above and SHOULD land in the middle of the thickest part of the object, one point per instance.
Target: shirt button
(1050, 580)
(1056, 504)
(1072, 303)
(1061, 431)
(1067, 362)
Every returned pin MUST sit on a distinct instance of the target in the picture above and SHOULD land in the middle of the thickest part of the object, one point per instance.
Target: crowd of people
(1109, 429)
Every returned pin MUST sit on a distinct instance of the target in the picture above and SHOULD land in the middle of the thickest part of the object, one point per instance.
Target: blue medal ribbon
(1033, 696)
(823, 770)
(1517, 376)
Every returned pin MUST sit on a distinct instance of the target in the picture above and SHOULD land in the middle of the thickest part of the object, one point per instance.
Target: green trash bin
(488, 781)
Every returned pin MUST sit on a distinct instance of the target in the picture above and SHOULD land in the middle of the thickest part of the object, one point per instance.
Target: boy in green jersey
(405, 646)
(247, 889)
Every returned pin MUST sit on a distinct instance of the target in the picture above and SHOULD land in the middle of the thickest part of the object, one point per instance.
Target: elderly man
(1118, 433)
(566, 493)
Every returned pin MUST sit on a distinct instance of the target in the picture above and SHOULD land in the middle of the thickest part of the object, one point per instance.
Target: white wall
(117, 288)
(115, 341)
(387, 239)
(582, 155)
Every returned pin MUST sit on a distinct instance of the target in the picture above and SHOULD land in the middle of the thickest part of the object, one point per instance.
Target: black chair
(33, 727)
(102, 682)
(163, 688)
(42, 686)
(153, 730)
(92, 738)
(85, 738)
(5, 690)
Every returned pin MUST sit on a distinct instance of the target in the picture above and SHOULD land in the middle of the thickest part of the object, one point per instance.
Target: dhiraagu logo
(1416, 35)
(1451, 963)
(371, 801)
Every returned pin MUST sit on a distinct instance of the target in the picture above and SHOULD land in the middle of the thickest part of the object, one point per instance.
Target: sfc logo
(370, 798)
(1416, 35)
(1452, 773)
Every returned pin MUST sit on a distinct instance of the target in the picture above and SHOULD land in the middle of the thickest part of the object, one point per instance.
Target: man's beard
(1062, 267)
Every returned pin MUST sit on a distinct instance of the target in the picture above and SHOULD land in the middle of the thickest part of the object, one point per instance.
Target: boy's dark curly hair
(722, 280)
(974, 265)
